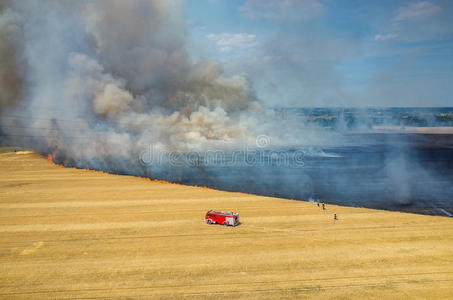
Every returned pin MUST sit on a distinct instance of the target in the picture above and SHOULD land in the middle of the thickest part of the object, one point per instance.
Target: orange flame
(49, 157)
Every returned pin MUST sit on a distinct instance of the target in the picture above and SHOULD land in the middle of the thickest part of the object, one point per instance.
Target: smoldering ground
(95, 83)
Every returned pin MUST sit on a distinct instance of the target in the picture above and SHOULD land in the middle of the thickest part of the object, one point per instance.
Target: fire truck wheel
(225, 224)
(209, 221)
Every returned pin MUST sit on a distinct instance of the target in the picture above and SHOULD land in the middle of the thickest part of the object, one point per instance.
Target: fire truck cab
(227, 218)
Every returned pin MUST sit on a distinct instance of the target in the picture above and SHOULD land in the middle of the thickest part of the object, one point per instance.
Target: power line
(45, 136)
(45, 119)
(81, 121)
(36, 128)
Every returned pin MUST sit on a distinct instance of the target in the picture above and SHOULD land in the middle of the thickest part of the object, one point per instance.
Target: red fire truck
(227, 218)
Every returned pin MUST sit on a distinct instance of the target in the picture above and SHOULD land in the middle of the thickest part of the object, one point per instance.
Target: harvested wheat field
(68, 233)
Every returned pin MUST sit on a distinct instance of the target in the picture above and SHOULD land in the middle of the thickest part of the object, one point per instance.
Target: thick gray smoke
(10, 57)
(107, 77)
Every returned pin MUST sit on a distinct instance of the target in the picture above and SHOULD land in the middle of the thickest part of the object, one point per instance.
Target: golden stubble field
(68, 233)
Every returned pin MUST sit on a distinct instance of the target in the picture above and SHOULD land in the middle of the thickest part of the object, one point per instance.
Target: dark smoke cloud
(117, 74)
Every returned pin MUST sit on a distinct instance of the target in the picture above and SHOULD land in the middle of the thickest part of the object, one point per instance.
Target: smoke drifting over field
(117, 74)
(96, 84)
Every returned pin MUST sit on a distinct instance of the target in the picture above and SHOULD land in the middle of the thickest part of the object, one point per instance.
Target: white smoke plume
(98, 79)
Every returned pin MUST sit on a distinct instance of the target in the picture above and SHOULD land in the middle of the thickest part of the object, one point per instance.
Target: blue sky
(331, 52)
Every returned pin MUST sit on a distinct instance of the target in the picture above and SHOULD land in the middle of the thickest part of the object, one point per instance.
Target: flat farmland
(70, 233)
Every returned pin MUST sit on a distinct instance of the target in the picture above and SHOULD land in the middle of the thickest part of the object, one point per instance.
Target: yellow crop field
(69, 233)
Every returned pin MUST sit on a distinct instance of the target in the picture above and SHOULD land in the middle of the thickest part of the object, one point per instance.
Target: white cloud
(230, 41)
(384, 37)
(417, 9)
(282, 9)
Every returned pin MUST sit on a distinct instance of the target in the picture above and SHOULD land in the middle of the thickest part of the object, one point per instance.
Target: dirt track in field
(67, 233)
